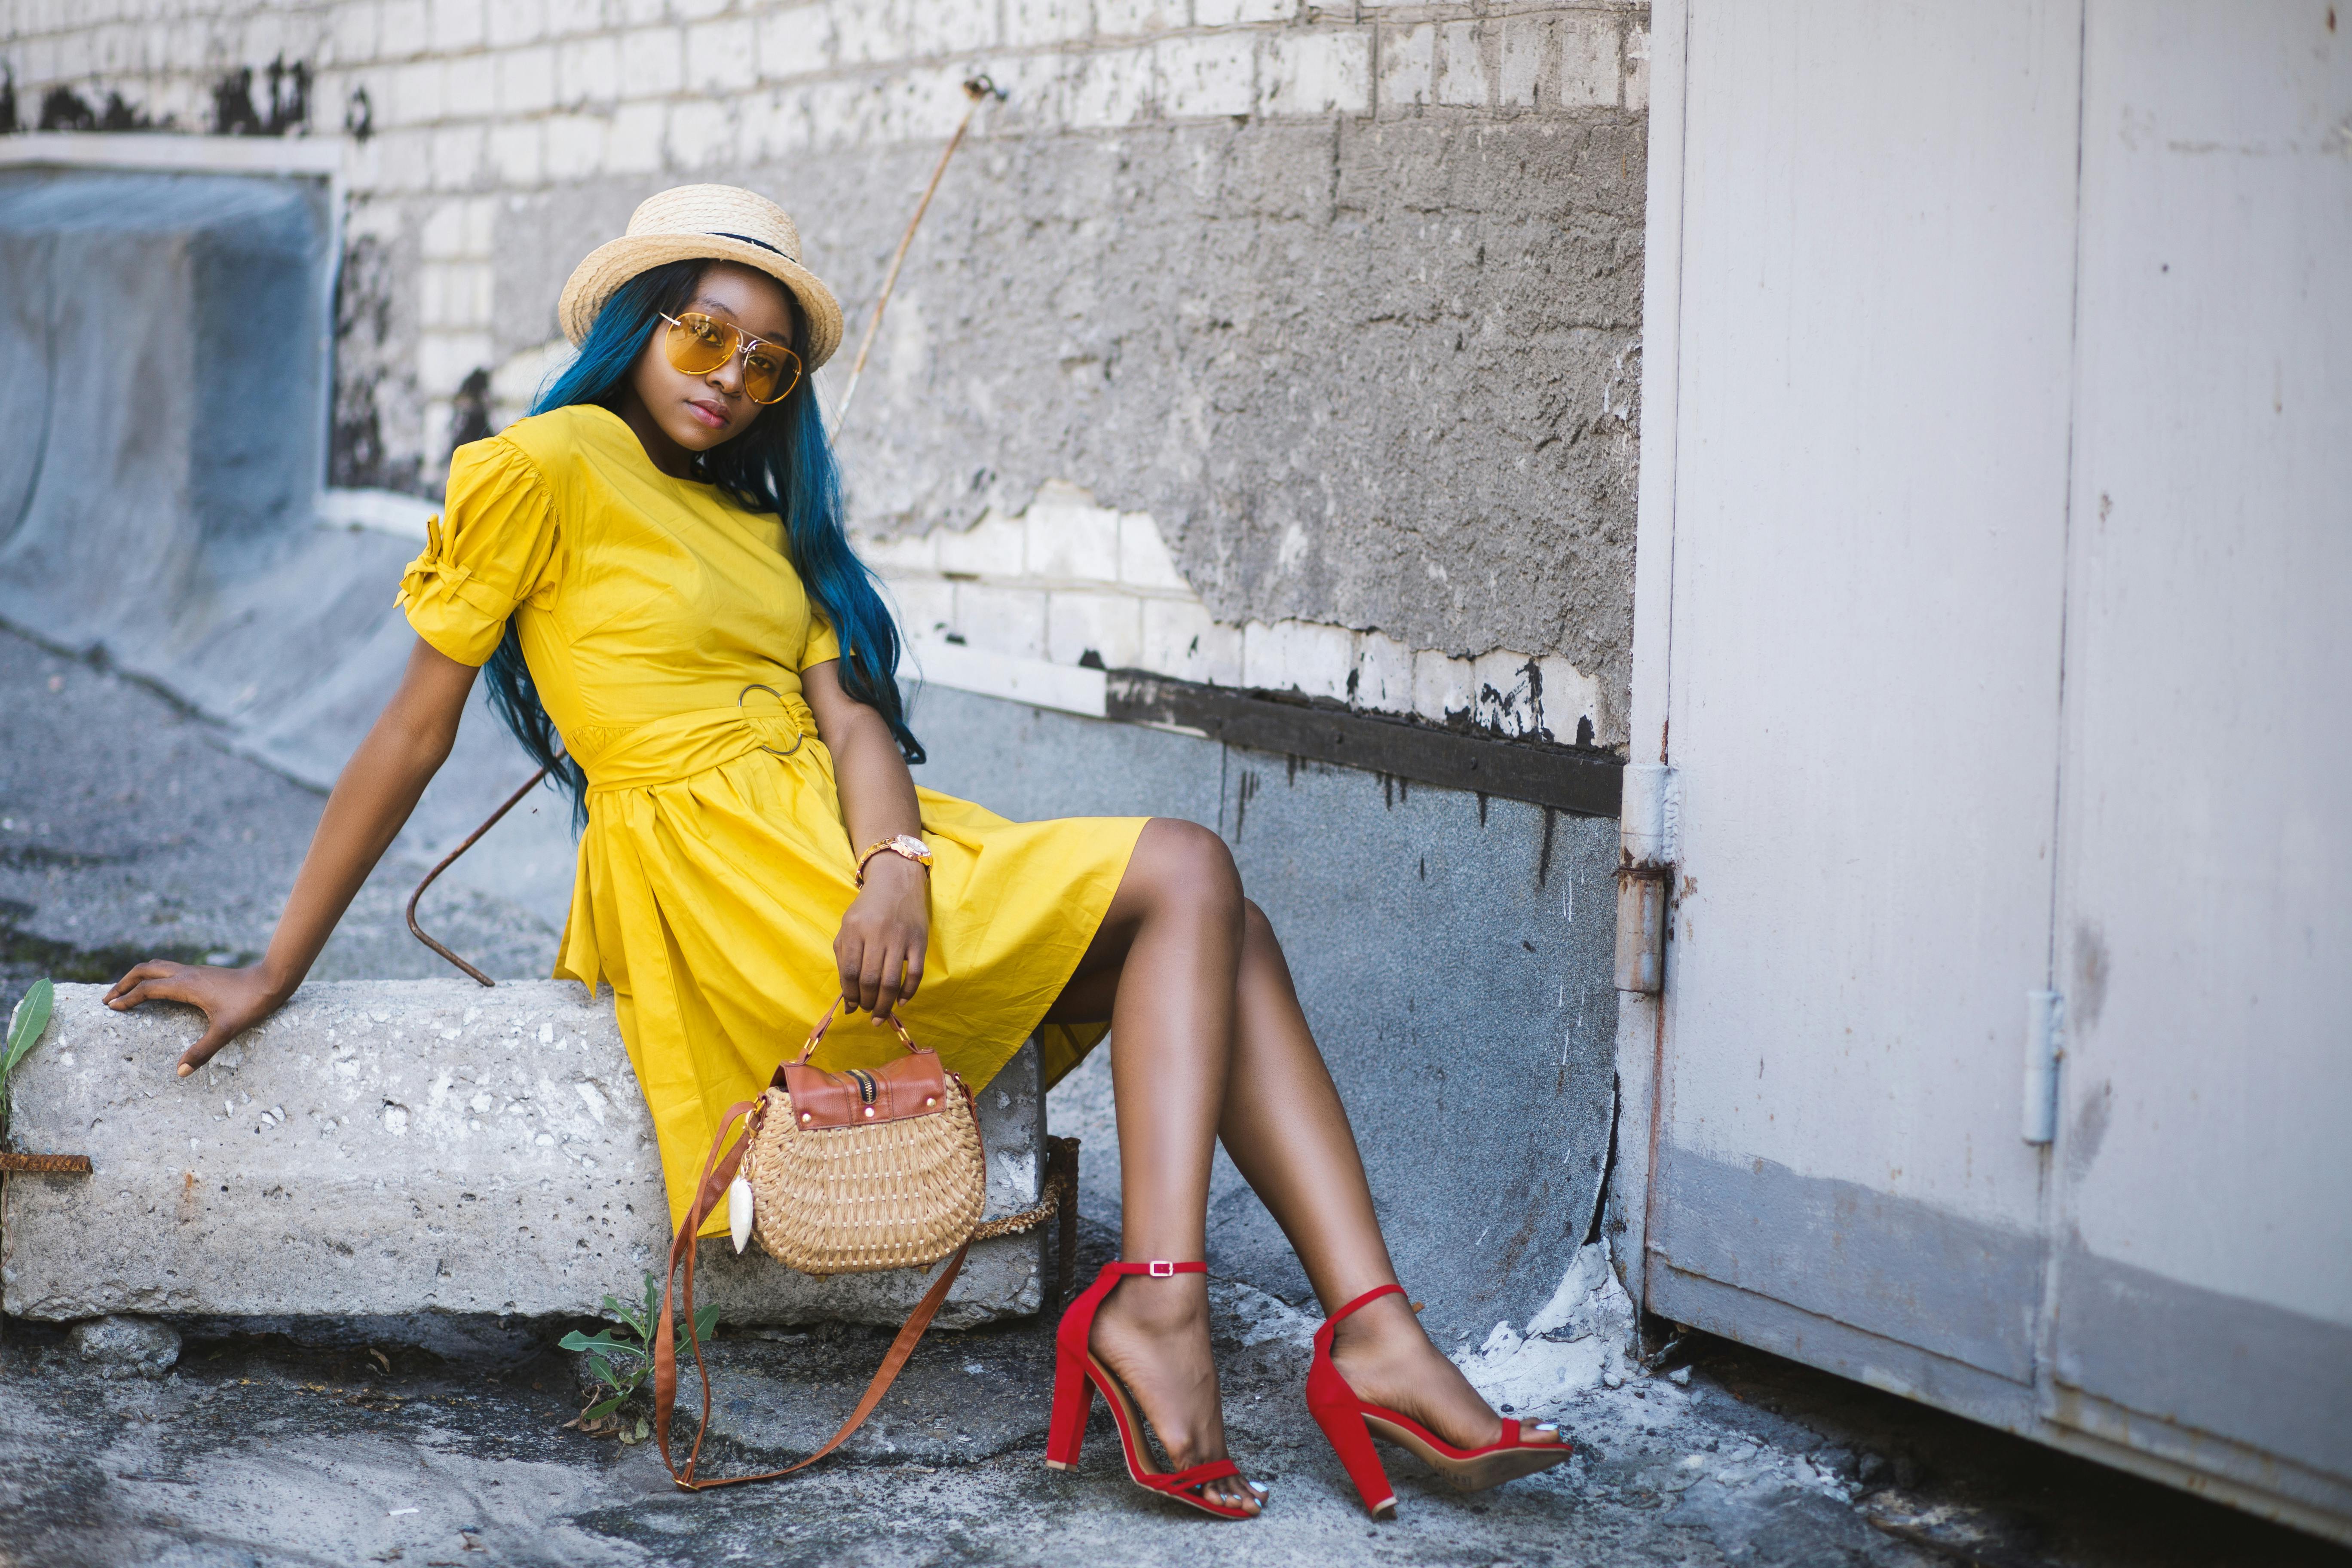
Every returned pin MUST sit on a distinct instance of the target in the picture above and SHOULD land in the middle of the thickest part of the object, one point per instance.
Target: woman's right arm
(378, 788)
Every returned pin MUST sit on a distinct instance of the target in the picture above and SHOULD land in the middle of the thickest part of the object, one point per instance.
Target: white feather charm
(738, 1210)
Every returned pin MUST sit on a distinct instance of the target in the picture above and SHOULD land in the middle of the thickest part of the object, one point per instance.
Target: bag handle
(826, 1022)
(717, 1171)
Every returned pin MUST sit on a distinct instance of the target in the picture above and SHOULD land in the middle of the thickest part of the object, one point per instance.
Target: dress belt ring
(799, 736)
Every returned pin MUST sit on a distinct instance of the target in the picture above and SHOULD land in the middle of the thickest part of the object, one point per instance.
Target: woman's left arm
(880, 947)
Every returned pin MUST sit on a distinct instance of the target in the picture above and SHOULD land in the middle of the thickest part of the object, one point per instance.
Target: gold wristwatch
(905, 845)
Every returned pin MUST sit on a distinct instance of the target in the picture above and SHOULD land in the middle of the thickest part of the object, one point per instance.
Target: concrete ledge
(416, 1152)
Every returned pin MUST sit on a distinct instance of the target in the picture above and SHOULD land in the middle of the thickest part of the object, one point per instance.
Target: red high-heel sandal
(1352, 1423)
(1078, 1371)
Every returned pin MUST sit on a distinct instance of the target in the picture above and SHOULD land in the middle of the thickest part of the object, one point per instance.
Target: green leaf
(603, 1371)
(705, 1319)
(31, 1017)
(599, 1411)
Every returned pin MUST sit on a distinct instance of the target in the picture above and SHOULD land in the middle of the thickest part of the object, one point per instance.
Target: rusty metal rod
(978, 88)
(47, 1164)
(451, 859)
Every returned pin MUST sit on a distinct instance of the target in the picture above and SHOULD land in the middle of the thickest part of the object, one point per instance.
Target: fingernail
(186, 1070)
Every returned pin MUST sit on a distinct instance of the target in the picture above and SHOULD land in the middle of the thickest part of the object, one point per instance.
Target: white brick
(994, 546)
(698, 10)
(638, 13)
(1506, 694)
(1031, 22)
(1225, 13)
(701, 135)
(1001, 620)
(454, 296)
(636, 142)
(925, 606)
(899, 555)
(1637, 72)
(1383, 674)
(466, 88)
(1408, 60)
(572, 18)
(1568, 695)
(513, 21)
(935, 28)
(1462, 68)
(358, 31)
(412, 96)
(773, 126)
(1127, 18)
(574, 146)
(1588, 76)
(1207, 76)
(526, 80)
(795, 42)
(1324, 71)
(445, 359)
(443, 237)
(406, 31)
(457, 24)
(1526, 43)
(866, 32)
(653, 61)
(403, 160)
(457, 156)
(588, 70)
(1181, 640)
(1143, 558)
(1441, 686)
(722, 56)
(1107, 88)
(1109, 625)
(517, 153)
(1072, 543)
(1298, 656)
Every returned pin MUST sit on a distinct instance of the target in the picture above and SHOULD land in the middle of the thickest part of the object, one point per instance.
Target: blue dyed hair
(782, 463)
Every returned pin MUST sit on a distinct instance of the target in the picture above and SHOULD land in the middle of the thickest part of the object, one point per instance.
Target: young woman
(654, 570)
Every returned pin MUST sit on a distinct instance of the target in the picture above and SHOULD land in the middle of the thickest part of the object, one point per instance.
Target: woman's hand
(880, 949)
(234, 1000)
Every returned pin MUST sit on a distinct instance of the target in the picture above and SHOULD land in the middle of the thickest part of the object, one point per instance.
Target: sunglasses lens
(697, 345)
(769, 373)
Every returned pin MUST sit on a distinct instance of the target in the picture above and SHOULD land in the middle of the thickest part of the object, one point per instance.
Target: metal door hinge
(2045, 1043)
(1648, 824)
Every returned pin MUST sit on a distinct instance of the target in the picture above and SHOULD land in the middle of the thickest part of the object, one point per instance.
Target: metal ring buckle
(799, 736)
(1160, 1270)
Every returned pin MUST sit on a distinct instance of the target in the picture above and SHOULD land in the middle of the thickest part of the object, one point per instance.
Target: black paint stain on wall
(235, 113)
(356, 454)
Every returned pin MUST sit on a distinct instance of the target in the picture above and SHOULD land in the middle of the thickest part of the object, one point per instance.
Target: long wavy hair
(782, 463)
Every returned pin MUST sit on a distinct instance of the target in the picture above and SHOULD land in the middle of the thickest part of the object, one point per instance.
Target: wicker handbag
(847, 1173)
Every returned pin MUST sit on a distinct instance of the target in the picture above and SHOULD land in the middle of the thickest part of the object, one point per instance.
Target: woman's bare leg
(1165, 962)
(1288, 1135)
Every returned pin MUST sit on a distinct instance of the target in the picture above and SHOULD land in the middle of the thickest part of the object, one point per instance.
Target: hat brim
(614, 262)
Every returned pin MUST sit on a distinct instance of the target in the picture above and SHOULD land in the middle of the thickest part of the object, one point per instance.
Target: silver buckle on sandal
(1161, 1270)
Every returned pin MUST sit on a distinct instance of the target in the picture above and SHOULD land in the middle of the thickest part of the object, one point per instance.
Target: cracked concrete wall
(1344, 297)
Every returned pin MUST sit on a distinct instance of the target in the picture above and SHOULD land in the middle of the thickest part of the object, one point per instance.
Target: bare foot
(1386, 1358)
(1153, 1334)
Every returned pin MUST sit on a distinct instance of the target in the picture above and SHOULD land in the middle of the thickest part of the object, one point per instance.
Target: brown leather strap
(717, 1171)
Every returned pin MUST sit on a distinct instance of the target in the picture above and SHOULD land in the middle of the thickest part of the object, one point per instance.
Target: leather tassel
(739, 1212)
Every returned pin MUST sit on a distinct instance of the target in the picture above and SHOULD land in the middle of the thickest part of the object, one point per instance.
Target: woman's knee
(1190, 863)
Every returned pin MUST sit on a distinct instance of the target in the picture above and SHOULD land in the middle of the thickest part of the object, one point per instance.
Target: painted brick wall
(1393, 558)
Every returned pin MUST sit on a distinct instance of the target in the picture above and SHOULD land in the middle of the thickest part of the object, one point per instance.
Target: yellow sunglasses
(698, 344)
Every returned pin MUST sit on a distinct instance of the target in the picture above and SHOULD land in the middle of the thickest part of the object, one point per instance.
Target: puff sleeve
(822, 643)
(490, 551)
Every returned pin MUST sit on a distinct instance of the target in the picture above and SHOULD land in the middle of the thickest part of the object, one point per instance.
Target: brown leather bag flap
(914, 1085)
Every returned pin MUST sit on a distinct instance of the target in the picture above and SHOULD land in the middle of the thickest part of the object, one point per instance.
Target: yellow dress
(715, 867)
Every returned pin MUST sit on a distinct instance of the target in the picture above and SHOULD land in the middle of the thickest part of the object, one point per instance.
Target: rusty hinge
(1647, 851)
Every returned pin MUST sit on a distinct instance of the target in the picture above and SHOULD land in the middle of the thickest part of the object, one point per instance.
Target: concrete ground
(125, 831)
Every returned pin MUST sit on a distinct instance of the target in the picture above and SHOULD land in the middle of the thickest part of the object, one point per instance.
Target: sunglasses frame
(743, 345)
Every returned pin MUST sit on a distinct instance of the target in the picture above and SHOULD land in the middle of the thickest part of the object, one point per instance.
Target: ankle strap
(1369, 1297)
(1157, 1269)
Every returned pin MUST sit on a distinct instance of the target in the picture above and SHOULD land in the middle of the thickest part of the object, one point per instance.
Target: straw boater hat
(723, 223)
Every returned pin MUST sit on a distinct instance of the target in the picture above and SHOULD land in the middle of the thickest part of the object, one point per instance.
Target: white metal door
(1868, 542)
(2202, 1243)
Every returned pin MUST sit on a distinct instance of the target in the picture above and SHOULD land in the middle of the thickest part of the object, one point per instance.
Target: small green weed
(32, 1015)
(622, 1362)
